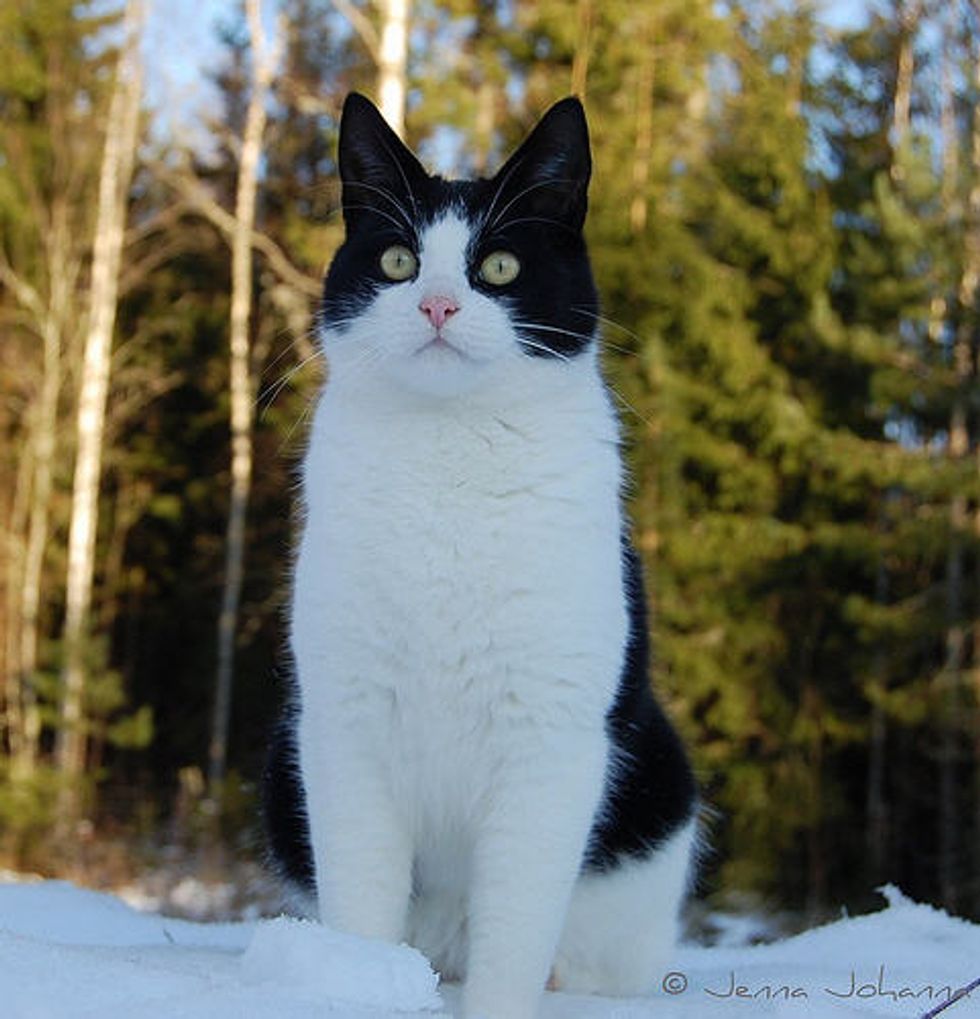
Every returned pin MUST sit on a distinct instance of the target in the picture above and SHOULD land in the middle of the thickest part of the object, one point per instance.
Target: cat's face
(444, 285)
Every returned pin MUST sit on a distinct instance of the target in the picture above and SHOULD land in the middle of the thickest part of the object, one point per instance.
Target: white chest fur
(460, 561)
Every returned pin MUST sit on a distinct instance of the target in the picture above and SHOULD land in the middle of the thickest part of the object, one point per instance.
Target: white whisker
(273, 391)
(532, 187)
(500, 188)
(381, 212)
(605, 320)
(547, 350)
(385, 193)
(405, 180)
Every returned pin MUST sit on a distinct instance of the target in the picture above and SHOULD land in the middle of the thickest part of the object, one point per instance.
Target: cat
(474, 761)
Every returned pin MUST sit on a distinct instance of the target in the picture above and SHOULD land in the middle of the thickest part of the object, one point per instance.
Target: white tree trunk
(122, 128)
(50, 317)
(241, 391)
(12, 720)
(393, 62)
(25, 754)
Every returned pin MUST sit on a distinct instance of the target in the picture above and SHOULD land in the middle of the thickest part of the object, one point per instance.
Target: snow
(69, 953)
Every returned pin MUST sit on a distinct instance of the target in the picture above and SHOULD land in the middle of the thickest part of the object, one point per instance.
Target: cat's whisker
(304, 414)
(547, 350)
(404, 177)
(536, 219)
(626, 405)
(385, 193)
(605, 320)
(607, 344)
(500, 190)
(271, 393)
(536, 186)
(381, 212)
(309, 336)
(588, 337)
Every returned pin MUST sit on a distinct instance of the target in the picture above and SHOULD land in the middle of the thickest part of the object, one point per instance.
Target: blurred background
(785, 226)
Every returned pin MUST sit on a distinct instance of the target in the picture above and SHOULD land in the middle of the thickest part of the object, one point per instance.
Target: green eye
(499, 268)
(398, 263)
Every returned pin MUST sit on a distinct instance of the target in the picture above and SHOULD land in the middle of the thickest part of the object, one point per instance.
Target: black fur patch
(653, 791)
(534, 207)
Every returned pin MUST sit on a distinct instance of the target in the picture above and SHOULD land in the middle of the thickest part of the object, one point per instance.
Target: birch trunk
(393, 62)
(50, 317)
(122, 126)
(25, 753)
(12, 726)
(240, 393)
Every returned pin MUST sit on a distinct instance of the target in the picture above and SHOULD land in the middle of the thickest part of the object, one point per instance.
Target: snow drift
(67, 953)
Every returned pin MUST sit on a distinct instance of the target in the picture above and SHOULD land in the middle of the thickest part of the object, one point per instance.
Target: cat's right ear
(378, 173)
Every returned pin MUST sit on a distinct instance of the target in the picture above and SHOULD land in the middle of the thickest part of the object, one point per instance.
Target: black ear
(548, 176)
(378, 172)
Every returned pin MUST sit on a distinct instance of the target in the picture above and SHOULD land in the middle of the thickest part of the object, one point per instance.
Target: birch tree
(389, 50)
(46, 172)
(393, 63)
(241, 388)
(49, 318)
(122, 128)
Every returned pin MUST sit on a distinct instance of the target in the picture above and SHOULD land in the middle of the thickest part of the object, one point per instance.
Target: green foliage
(780, 280)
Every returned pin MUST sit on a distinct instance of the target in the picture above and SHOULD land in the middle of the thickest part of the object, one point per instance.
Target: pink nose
(438, 309)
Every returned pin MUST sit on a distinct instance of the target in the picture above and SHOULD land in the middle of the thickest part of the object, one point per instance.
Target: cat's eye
(499, 268)
(398, 263)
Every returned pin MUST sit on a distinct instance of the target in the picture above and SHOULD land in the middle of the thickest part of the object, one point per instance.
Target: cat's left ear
(377, 170)
(548, 176)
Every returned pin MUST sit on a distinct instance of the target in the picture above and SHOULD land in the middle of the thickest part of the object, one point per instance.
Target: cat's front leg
(526, 860)
(361, 847)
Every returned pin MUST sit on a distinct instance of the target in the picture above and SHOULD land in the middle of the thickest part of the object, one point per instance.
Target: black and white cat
(475, 763)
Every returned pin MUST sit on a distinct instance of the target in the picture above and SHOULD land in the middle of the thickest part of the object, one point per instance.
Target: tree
(118, 157)
(47, 172)
(264, 58)
(387, 43)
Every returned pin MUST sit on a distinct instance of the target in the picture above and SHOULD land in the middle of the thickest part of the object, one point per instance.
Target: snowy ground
(67, 953)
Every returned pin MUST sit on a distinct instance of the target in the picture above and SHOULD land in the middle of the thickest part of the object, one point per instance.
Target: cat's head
(442, 285)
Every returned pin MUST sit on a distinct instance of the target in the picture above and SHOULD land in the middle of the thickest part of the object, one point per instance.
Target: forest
(785, 229)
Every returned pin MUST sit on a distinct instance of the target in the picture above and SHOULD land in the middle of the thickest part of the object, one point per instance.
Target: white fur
(459, 627)
(622, 926)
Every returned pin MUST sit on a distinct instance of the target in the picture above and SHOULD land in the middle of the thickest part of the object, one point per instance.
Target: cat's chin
(439, 370)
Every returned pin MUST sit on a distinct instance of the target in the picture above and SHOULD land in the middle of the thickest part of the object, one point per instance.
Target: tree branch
(26, 295)
(362, 26)
(200, 201)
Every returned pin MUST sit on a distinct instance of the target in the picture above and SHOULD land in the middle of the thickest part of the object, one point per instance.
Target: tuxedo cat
(474, 761)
